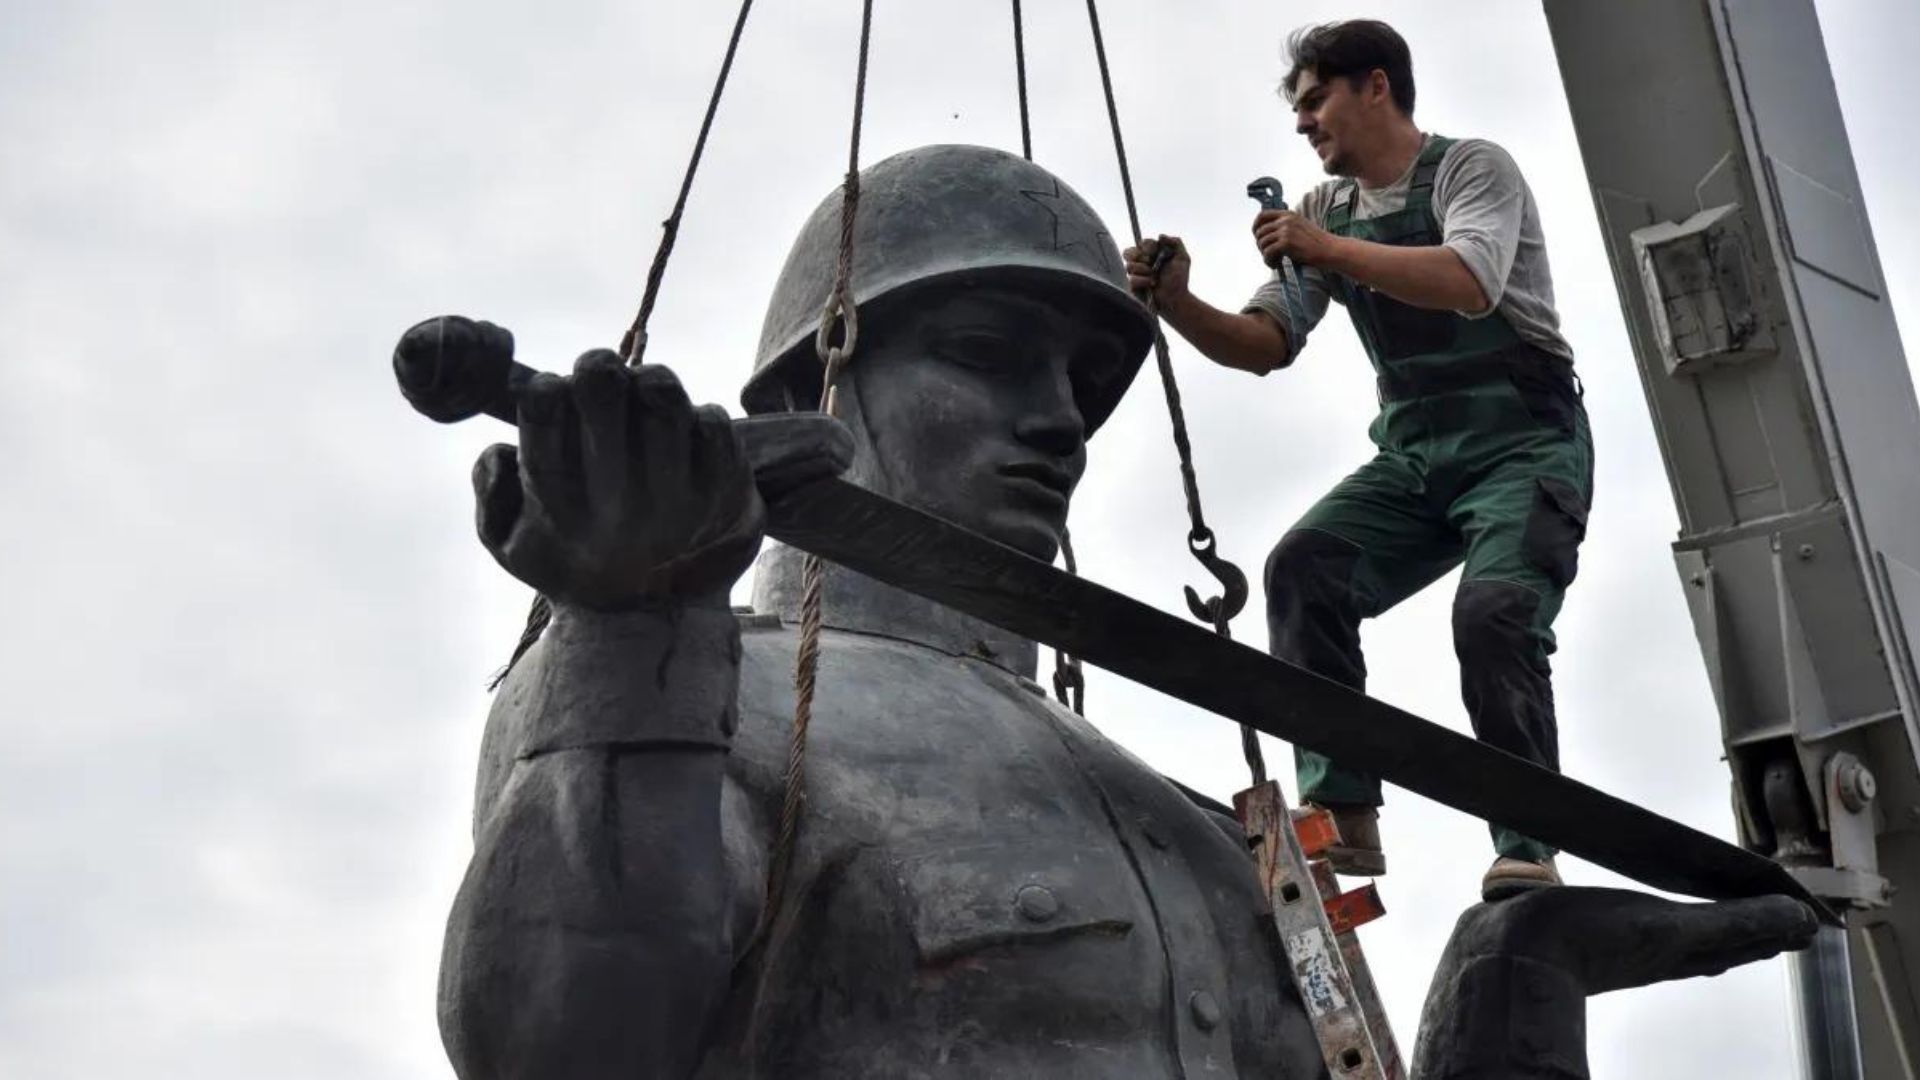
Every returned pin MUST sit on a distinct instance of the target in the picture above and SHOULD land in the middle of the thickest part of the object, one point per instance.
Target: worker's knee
(1310, 563)
(1497, 621)
(1313, 616)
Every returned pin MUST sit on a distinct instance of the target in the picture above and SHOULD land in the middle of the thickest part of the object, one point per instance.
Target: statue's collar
(857, 603)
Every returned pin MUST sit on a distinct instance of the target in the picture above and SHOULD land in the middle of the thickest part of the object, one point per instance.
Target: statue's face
(967, 398)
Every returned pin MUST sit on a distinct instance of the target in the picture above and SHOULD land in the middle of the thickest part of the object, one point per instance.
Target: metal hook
(1216, 610)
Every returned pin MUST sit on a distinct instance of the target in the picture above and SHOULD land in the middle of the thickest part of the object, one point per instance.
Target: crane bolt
(1856, 785)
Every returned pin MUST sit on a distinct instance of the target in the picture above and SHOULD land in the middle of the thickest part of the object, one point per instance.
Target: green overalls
(1484, 457)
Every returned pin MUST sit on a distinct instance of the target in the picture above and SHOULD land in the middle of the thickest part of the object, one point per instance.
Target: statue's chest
(992, 878)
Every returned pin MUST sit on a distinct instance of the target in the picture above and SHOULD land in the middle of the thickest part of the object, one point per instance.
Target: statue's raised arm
(595, 931)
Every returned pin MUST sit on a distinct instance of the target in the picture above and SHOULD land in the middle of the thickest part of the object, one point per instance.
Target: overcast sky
(249, 624)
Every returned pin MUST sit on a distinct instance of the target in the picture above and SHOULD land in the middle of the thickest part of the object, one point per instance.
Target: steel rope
(1069, 678)
(633, 345)
(839, 313)
(1020, 80)
(1199, 537)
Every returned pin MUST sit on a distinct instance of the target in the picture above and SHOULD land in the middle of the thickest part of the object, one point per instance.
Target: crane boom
(1771, 363)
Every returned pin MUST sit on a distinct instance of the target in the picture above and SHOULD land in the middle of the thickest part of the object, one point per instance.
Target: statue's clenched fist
(621, 491)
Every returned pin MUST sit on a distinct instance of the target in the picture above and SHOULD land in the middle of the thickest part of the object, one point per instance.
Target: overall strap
(1340, 209)
(1425, 168)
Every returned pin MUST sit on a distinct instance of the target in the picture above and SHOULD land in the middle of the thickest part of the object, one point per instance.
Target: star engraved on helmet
(1081, 236)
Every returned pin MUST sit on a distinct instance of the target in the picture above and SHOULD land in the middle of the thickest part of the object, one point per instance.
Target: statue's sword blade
(922, 554)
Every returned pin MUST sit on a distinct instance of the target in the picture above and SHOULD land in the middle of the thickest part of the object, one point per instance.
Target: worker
(1434, 247)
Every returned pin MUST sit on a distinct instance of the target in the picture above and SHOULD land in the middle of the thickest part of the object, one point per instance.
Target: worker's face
(967, 400)
(1336, 117)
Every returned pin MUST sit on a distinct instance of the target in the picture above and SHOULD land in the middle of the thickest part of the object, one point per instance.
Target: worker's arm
(1245, 341)
(1427, 277)
(1480, 199)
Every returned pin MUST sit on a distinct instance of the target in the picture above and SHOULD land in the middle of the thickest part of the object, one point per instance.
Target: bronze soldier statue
(982, 885)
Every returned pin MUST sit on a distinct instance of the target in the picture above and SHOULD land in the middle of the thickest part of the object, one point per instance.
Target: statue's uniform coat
(984, 886)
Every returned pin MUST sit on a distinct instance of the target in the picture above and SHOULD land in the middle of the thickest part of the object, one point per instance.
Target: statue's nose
(1051, 421)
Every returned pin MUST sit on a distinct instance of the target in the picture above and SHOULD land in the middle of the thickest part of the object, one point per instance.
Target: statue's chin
(1032, 531)
(1023, 532)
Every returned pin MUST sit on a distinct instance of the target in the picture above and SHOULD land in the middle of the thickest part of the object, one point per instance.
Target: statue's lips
(1038, 482)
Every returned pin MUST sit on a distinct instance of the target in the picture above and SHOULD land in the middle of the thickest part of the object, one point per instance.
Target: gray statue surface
(983, 885)
(1509, 998)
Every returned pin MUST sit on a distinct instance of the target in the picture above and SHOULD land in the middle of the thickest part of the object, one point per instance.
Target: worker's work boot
(1511, 877)
(1358, 853)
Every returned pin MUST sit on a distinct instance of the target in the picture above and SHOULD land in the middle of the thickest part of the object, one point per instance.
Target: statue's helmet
(954, 217)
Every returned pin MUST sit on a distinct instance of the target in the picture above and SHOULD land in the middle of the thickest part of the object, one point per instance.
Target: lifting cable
(634, 344)
(1200, 539)
(839, 314)
(1020, 78)
(1069, 679)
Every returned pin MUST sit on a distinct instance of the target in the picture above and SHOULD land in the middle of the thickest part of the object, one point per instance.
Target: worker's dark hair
(1353, 49)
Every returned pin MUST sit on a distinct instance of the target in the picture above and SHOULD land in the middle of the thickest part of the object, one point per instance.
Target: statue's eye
(1095, 363)
(979, 350)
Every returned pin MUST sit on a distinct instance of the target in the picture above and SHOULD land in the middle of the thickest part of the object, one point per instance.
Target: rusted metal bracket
(1349, 911)
(1314, 827)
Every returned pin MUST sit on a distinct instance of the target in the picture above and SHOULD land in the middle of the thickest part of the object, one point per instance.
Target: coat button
(1206, 1010)
(1036, 903)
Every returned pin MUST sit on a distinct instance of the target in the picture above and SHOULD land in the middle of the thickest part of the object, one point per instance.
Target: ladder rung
(1354, 909)
(1316, 831)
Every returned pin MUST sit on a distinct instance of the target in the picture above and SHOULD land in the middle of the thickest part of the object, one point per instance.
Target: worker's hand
(1286, 233)
(1170, 283)
(621, 492)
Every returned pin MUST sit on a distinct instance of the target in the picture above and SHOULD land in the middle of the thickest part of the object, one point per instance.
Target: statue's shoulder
(872, 691)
